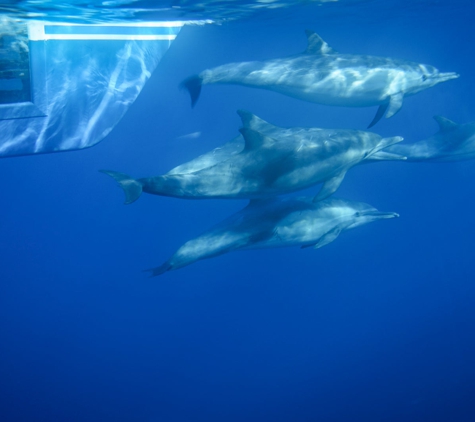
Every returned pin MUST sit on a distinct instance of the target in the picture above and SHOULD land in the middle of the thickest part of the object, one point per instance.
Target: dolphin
(453, 142)
(272, 161)
(273, 223)
(321, 75)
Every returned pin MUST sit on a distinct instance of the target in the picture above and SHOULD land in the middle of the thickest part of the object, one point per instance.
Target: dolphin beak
(387, 215)
(371, 215)
(377, 215)
(447, 76)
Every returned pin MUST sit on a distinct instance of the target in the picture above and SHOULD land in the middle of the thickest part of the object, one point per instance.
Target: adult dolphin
(453, 142)
(287, 160)
(275, 223)
(321, 75)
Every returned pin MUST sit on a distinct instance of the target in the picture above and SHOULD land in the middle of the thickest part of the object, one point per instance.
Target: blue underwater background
(376, 326)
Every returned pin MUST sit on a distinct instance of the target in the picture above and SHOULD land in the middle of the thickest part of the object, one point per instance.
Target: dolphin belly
(348, 87)
(327, 94)
(318, 81)
(199, 185)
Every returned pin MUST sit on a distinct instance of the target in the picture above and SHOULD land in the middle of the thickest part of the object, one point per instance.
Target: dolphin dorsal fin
(251, 121)
(252, 138)
(316, 45)
(444, 123)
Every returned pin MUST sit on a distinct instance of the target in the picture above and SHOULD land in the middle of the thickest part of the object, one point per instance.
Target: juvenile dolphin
(321, 75)
(275, 223)
(272, 162)
(453, 142)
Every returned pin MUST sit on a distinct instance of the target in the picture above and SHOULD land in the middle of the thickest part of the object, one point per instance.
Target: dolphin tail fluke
(379, 114)
(154, 272)
(132, 188)
(193, 86)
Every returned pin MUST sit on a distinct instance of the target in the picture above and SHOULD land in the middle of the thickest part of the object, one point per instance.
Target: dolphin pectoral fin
(329, 187)
(328, 237)
(193, 86)
(379, 114)
(132, 188)
(325, 239)
(444, 123)
(395, 104)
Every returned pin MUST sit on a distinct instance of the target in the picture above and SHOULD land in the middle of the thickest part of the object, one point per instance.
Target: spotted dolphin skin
(275, 223)
(321, 75)
(453, 142)
(272, 161)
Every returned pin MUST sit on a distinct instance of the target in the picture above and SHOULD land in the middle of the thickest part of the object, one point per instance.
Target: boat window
(15, 86)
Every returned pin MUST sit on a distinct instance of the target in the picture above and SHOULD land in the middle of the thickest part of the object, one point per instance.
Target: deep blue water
(377, 326)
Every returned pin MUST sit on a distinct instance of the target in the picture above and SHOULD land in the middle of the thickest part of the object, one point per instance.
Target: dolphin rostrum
(453, 142)
(272, 161)
(321, 75)
(272, 223)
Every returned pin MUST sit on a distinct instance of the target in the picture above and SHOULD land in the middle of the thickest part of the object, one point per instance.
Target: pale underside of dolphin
(321, 75)
(453, 142)
(272, 161)
(275, 223)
